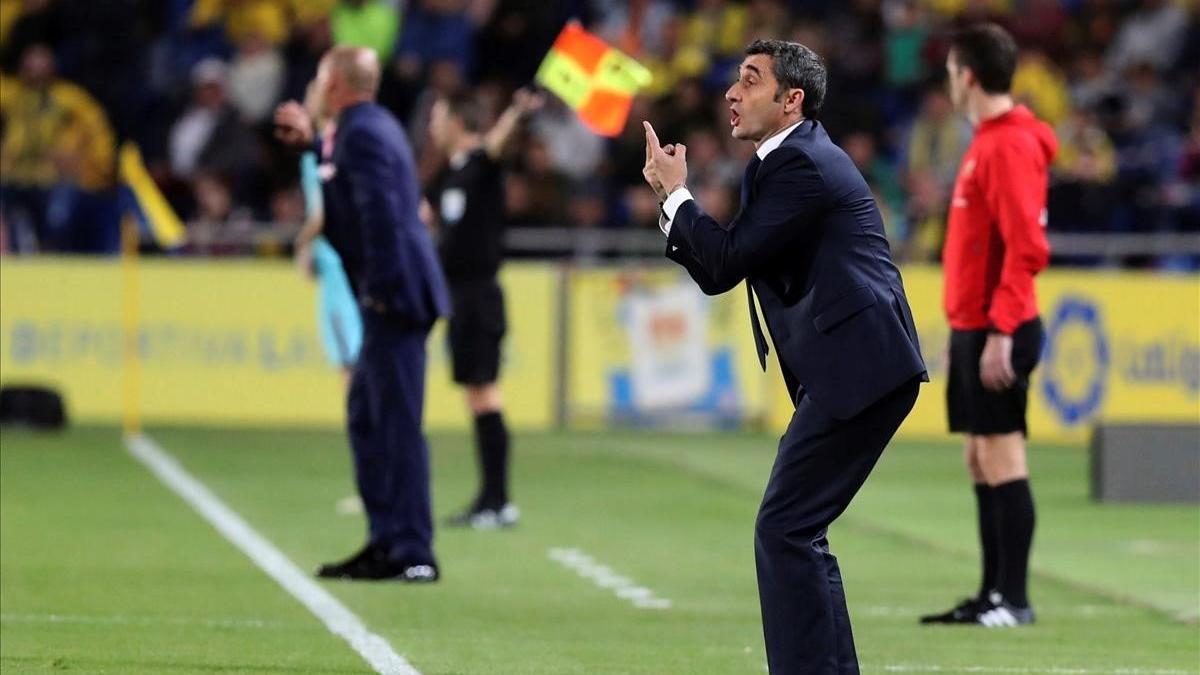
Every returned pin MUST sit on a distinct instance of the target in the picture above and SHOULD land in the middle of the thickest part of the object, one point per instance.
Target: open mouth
(734, 118)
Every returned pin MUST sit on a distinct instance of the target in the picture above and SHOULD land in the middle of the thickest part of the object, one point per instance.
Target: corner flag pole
(131, 358)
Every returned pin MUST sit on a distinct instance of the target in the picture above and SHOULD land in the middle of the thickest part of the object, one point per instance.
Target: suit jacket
(809, 241)
(371, 203)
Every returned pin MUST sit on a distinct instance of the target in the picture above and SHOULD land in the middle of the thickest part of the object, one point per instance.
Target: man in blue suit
(371, 201)
(810, 245)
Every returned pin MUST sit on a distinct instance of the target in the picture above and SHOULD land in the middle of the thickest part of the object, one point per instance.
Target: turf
(102, 569)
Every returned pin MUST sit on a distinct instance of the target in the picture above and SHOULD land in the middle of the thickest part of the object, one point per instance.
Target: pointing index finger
(651, 137)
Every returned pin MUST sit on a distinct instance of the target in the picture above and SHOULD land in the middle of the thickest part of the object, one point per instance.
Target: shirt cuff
(669, 207)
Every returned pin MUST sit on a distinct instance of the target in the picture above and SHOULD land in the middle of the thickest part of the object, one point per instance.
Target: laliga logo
(1076, 360)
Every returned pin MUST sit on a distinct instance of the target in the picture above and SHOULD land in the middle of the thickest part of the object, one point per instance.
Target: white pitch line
(337, 618)
(1017, 670)
(604, 577)
(123, 620)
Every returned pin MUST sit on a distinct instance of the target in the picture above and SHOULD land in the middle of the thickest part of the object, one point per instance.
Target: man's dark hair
(795, 67)
(990, 52)
(464, 106)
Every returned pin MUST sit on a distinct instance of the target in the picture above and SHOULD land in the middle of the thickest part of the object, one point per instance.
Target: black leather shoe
(373, 564)
(346, 568)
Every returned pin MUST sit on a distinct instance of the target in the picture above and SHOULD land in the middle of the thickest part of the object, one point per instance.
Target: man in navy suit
(371, 201)
(810, 245)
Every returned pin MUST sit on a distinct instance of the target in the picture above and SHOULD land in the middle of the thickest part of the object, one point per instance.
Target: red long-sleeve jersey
(995, 235)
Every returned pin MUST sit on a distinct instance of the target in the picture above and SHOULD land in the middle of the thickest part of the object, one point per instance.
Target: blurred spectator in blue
(57, 162)
(436, 30)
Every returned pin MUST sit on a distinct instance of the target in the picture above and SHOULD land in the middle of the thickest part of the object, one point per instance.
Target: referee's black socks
(989, 537)
(491, 441)
(1015, 517)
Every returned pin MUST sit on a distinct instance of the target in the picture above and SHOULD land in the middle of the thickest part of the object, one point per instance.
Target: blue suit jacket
(810, 242)
(371, 218)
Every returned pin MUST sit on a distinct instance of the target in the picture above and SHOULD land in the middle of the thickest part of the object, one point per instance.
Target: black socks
(989, 537)
(1013, 503)
(491, 443)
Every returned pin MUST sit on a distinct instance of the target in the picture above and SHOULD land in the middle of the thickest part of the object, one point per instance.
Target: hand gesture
(526, 101)
(293, 126)
(666, 167)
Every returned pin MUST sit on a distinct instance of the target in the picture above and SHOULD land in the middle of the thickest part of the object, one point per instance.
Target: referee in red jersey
(995, 246)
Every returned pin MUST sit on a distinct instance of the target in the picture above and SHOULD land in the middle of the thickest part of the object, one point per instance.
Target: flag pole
(131, 360)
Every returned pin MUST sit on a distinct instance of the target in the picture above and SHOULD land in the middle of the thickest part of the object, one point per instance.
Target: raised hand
(293, 125)
(666, 168)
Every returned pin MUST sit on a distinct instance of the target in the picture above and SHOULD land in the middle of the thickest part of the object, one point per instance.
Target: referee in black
(466, 206)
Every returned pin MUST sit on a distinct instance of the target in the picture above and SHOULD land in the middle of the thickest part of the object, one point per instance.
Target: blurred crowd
(193, 84)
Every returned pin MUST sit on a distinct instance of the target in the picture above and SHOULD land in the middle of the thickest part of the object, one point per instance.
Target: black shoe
(373, 564)
(967, 611)
(1003, 614)
(480, 517)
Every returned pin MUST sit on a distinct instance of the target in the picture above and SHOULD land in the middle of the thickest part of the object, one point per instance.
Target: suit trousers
(391, 456)
(821, 464)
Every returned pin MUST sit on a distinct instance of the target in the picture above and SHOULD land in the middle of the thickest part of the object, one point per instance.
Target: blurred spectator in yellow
(1085, 153)
(56, 161)
(716, 27)
(307, 12)
(367, 23)
(10, 11)
(1081, 190)
(936, 143)
(1039, 84)
(242, 18)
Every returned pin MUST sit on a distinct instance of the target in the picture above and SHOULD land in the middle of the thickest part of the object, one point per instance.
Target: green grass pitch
(104, 570)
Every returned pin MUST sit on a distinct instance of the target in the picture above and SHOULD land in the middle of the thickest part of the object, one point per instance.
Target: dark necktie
(760, 342)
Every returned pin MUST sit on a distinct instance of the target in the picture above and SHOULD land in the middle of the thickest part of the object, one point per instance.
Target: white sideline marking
(337, 618)
(124, 620)
(1016, 670)
(603, 576)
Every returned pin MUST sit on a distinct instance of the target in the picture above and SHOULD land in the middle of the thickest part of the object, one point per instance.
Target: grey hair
(795, 67)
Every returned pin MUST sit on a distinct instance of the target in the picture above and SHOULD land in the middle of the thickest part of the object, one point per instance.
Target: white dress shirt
(682, 194)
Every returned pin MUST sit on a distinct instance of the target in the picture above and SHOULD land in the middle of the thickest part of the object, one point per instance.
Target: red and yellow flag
(594, 78)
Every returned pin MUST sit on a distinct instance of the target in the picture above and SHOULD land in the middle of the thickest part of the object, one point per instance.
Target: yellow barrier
(603, 329)
(226, 342)
(1121, 346)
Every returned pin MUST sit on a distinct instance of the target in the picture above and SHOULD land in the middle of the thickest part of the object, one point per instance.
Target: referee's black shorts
(477, 327)
(972, 409)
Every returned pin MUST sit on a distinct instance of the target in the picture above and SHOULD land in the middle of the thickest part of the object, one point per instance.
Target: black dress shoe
(373, 564)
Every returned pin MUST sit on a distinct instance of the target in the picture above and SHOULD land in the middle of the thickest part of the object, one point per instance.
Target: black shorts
(477, 327)
(973, 409)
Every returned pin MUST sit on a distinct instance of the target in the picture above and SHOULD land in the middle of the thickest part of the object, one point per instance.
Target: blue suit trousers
(822, 463)
(391, 456)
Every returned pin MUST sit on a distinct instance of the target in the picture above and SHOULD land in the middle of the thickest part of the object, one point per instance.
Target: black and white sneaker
(478, 517)
(1004, 614)
(965, 612)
